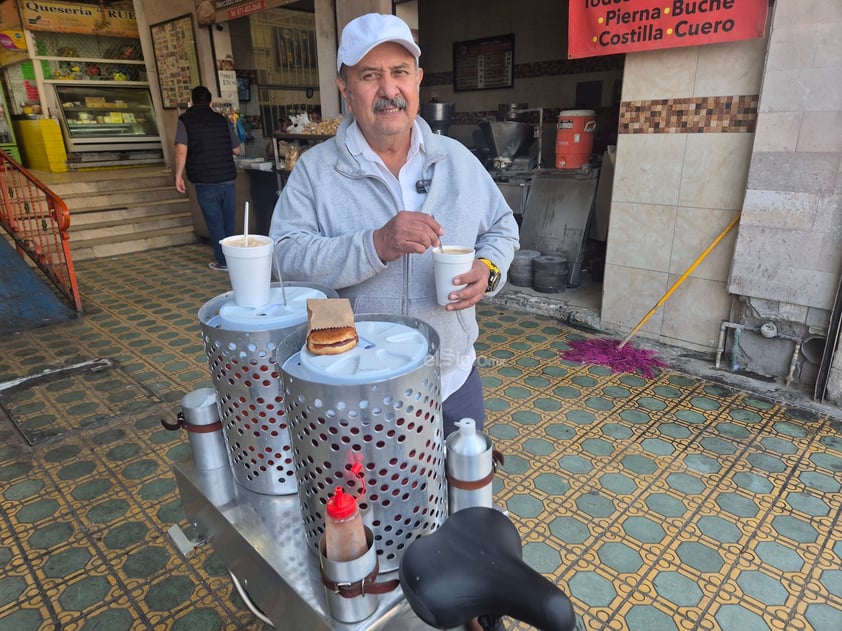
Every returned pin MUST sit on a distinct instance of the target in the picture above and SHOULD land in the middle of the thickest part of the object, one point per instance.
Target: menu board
(176, 60)
(484, 64)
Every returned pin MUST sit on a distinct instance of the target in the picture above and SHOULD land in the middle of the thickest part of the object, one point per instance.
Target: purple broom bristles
(606, 352)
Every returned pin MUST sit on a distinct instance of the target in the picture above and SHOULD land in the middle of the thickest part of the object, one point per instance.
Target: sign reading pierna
(607, 27)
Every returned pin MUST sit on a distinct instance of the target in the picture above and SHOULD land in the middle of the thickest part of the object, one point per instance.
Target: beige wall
(540, 36)
(792, 204)
(674, 191)
(789, 253)
(148, 13)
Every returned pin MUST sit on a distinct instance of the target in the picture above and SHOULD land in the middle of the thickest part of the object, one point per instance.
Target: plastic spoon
(246, 227)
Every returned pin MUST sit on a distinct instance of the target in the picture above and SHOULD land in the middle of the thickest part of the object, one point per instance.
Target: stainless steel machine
(553, 206)
(439, 116)
(295, 426)
(262, 541)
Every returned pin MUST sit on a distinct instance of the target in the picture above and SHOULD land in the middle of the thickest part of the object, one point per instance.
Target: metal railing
(38, 221)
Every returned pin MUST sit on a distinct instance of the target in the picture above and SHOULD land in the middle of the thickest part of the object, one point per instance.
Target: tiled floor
(663, 504)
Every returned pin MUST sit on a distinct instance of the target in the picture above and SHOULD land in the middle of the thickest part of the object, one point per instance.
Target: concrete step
(96, 217)
(120, 229)
(109, 181)
(84, 249)
(118, 211)
(105, 200)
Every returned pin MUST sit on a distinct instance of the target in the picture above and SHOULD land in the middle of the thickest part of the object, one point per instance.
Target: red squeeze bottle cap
(341, 505)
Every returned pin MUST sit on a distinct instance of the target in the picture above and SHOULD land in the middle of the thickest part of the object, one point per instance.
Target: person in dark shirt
(205, 146)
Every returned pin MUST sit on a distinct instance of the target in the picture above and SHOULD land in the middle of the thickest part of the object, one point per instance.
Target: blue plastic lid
(275, 315)
(385, 350)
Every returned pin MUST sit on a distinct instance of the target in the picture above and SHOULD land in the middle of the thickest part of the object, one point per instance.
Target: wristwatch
(493, 275)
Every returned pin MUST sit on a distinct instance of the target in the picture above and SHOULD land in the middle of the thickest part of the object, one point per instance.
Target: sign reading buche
(607, 27)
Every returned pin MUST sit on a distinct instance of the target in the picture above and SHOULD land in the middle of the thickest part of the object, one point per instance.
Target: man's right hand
(407, 232)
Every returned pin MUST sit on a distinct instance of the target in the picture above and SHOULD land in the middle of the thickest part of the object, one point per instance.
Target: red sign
(246, 9)
(607, 27)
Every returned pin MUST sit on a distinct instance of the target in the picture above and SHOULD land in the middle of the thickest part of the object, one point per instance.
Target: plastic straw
(246, 226)
(278, 272)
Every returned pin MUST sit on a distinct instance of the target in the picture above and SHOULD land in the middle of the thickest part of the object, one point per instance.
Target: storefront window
(285, 59)
(76, 57)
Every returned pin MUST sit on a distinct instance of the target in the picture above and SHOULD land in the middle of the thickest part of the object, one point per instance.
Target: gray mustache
(385, 104)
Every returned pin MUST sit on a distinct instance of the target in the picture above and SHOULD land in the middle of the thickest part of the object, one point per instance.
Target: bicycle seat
(473, 566)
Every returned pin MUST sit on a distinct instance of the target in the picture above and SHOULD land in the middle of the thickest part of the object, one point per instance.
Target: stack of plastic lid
(520, 271)
(278, 314)
(550, 274)
(385, 350)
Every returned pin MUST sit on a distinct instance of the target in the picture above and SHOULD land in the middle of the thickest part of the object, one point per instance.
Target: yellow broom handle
(683, 277)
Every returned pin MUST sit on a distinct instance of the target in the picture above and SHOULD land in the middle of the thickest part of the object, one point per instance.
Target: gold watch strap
(490, 264)
(494, 274)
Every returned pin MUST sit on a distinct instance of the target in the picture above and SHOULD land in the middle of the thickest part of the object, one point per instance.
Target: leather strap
(361, 587)
(497, 458)
(193, 429)
(203, 429)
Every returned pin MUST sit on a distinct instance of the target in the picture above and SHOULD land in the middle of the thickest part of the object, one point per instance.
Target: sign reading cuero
(608, 27)
(64, 17)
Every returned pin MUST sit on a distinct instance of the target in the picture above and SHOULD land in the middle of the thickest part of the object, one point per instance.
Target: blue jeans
(217, 202)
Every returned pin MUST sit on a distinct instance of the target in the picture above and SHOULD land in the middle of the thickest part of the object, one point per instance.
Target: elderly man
(361, 212)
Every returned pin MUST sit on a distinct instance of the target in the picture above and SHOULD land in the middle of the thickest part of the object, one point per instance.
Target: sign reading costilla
(608, 27)
(64, 17)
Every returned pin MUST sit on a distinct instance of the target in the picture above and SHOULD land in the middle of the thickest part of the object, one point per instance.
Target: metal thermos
(204, 429)
(470, 467)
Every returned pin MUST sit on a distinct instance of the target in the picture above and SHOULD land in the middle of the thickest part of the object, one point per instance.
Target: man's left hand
(477, 280)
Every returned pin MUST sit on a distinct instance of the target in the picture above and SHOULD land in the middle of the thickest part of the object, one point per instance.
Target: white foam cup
(249, 268)
(450, 261)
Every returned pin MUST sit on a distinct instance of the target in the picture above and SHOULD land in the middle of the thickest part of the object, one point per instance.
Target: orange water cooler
(574, 139)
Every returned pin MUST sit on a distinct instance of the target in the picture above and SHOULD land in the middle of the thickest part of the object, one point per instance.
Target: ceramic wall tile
(828, 42)
(788, 171)
(777, 131)
(795, 13)
(694, 312)
(717, 74)
(792, 47)
(641, 235)
(821, 131)
(829, 214)
(660, 74)
(778, 209)
(695, 230)
(794, 273)
(798, 89)
(715, 170)
(649, 168)
(628, 295)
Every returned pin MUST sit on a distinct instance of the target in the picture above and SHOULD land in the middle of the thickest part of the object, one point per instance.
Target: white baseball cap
(362, 34)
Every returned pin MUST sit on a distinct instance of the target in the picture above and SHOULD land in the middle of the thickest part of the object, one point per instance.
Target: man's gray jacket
(329, 209)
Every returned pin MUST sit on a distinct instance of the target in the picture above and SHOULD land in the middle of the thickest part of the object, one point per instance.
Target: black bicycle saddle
(473, 566)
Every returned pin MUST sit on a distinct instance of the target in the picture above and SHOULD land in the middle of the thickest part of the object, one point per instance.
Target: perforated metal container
(240, 345)
(391, 427)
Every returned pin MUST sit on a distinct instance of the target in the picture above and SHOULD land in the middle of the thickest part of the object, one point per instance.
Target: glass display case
(107, 118)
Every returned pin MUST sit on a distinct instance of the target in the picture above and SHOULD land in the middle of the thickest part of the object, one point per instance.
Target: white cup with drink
(450, 261)
(249, 260)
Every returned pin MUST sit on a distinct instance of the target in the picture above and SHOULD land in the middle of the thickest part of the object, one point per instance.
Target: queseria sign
(65, 17)
(607, 27)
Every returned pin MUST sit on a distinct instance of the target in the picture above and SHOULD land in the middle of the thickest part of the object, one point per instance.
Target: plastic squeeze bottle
(467, 442)
(344, 531)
